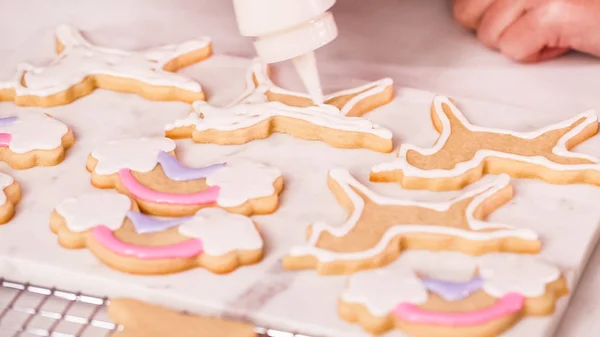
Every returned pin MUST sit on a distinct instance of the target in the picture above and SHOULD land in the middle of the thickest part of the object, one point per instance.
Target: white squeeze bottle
(289, 29)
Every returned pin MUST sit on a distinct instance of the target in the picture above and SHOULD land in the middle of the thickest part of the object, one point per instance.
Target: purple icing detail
(147, 224)
(175, 171)
(453, 291)
(7, 121)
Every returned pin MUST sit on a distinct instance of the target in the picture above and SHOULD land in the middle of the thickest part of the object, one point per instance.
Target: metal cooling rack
(28, 310)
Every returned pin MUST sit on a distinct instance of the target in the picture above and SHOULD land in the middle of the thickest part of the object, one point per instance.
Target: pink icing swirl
(186, 249)
(5, 139)
(207, 196)
(509, 304)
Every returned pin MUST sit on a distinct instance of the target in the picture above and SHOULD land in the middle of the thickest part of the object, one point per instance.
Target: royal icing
(229, 184)
(452, 291)
(258, 84)
(241, 180)
(147, 224)
(480, 230)
(207, 196)
(559, 149)
(135, 154)
(5, 181)
(397, 289)
(252, 108)
(80, 59)
(381, 290)
(221, 232)
(453, 267)
(178, 172)
(31, 131)
(89, 210)
(507, 305)
(503, 274)
(246, 115)
(185, 249)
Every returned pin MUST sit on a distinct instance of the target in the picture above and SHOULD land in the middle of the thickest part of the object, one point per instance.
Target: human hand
(533, 30)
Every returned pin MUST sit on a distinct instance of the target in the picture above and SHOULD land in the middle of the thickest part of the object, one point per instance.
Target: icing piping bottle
(289, 30)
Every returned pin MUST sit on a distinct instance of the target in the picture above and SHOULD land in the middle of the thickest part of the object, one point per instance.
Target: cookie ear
(444, 113)
(260, 73)
(67, 36)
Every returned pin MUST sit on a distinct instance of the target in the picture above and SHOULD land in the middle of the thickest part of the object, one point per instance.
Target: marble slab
(565, 216)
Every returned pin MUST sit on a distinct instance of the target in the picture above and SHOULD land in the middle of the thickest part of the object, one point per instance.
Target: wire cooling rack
(28, 310)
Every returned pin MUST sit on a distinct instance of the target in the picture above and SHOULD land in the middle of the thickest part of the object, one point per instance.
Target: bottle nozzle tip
(306, 66)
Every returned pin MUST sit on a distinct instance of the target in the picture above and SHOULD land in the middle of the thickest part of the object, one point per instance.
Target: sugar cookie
(146, 169)
(464, 152)
(503, 289)
(379, 228)
(252, 117)
(9, 197)
(142, 319)
(353, 102)
(80, 67)
(33, 139)
(109, 225)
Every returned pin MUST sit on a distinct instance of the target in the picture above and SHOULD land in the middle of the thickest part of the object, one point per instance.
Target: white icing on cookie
(347, 183)
(5, 181)
(258, 83)
(98, 208)
(524, 274)
(252, 108)
(136, 154)
(447, 266)
(80, 59)
(560, 149)
(381, 290)
(361, 92)
(34, 131)
(242, 180)
(222, 232)
(208, 117)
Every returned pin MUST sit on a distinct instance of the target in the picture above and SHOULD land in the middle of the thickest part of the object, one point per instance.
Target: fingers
(498, 17)
(470, 12)
(548, 54)
(526, 38)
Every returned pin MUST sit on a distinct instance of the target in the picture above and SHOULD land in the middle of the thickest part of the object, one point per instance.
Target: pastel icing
(135, 154)
(507, 305)
(31, 131)
(222, 232)
(453, 291)
(89, 210)
(178, 172)
(4, 139)
(147, 224)
(241, 180)
(7, 121)
(207, 196)
(396, 289)
(186, 249)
